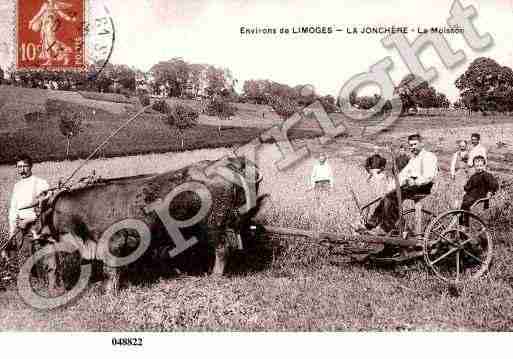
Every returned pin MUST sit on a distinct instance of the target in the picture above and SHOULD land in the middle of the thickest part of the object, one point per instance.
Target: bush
(219, 107)
(284, 107)
(179, 115)
(144, 99)
(328, 103)
(182, 117)
(161, 106)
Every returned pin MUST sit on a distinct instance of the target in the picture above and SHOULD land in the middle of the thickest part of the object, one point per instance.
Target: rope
(100, 146)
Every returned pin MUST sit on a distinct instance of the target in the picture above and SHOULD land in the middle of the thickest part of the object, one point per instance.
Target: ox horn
(32, 205)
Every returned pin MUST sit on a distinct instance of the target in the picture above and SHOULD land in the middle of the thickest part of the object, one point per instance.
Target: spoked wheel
(410, 221)
(458, 246)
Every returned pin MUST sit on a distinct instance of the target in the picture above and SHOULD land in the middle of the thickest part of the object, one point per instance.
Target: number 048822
(127, 341)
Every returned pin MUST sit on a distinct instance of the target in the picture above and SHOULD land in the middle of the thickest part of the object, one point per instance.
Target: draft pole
(397, 190)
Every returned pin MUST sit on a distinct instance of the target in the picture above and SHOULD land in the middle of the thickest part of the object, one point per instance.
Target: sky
(208, 31)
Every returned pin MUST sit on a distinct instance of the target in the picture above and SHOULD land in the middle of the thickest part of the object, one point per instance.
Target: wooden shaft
(335, 236)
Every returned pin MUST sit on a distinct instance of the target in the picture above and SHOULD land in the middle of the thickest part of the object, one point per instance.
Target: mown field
(285, 283)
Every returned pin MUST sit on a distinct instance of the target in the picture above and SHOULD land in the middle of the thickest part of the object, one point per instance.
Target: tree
(70, 123)
(220, 107)
(284, 107)
(486, 86)
(409, 89)
(179, 116)
(124, 76)
(172, 74)
(328, 102)
(415, 92)
(442, 101)
(144, 98)
(458, 104)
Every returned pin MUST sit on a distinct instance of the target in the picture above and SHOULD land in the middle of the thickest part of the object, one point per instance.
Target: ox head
(248, 196)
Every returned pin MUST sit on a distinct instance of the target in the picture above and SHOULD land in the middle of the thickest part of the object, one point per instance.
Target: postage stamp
(50, 35)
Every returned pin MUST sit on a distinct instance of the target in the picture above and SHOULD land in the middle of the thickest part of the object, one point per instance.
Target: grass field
(42, 139)
(288, 283)
(147, 134)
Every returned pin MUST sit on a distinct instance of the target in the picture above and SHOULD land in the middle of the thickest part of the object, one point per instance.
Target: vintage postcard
(241, 166)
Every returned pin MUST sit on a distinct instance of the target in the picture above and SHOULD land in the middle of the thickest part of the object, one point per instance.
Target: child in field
(478, 186)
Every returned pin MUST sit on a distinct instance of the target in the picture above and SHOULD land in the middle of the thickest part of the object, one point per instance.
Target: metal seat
(418, 197)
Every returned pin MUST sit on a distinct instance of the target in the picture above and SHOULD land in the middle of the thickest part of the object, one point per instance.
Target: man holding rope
(416, 178)
(21, 221)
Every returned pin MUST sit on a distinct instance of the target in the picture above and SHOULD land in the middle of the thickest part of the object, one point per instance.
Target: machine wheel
(458, 246)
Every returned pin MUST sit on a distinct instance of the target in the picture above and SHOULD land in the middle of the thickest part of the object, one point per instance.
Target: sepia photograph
(255, 166)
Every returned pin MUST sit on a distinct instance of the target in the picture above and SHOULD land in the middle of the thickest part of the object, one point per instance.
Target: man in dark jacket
(375, 164)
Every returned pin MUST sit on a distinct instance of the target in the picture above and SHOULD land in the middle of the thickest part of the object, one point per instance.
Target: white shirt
(478, 150)
(458, 158)
(321, 172)
(24, 193)
(424, 167)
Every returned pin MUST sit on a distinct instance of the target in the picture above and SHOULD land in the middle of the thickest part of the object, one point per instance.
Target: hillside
(16, 102)
(40, 136)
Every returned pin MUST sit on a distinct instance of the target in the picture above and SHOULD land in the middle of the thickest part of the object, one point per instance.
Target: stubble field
(289, 283)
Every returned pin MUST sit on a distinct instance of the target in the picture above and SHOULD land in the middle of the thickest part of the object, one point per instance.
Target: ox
(87, 213)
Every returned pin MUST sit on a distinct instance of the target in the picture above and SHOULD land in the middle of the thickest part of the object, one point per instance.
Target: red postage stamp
(50, 35)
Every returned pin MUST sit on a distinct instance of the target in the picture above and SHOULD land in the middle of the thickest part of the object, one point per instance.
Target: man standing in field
(375, 164)
(322, 175)
(21, 221)
(460, 159)
(321, 181)
(416, 178)
(477, 149)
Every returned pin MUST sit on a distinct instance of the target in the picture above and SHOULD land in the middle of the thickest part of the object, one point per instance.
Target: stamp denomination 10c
(50, 34)
(62, 35)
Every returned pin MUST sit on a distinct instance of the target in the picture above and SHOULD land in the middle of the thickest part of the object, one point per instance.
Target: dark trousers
(386, 213)
(468, 201)
(23, 246)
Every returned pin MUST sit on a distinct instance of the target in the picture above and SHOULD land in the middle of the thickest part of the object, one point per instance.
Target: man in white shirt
(416, 178)
(459, 159)
(24, 194)
(321, 181)
(322, 175)
(477, 149)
